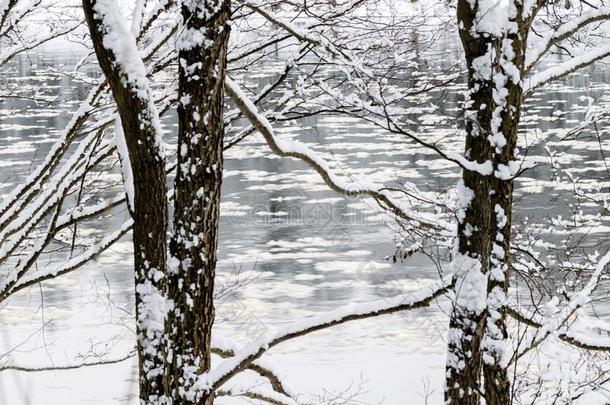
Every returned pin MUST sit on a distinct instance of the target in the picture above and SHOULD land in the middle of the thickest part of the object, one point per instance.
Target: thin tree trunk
(139, 120)
(202, 63)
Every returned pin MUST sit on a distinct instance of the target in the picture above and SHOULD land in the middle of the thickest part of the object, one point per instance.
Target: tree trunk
(139, 120)
(477, 336)
(202, 64)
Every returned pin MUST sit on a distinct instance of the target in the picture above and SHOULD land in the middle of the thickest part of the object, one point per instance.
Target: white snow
(121, 145)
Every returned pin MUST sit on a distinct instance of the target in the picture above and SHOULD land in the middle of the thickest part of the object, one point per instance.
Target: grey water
(298, 248)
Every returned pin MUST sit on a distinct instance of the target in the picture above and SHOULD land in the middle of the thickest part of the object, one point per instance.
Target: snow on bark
(118, 55)
(202, 48)
(491, 38)
(494, 341)
(471, 284)
(118, 39)
(465, 196)
(126, 171)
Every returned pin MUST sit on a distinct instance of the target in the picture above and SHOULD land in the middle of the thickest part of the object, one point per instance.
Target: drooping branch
(337, 183)
(213, 380)
(310, 37)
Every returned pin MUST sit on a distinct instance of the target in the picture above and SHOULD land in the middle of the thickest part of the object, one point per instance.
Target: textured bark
(197, 200)
(474, 353)
(149, 210)
(463, 378)
(496, 380)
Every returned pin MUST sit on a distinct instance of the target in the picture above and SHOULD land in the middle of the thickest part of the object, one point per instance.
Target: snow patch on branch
(562, 69)
(288, 148)
(555, 322)
(562, 32)
(118, 39)
(484, 169)
(126, 170)
(231, 366)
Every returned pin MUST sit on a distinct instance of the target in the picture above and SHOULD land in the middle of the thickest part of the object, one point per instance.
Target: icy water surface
(299, 248)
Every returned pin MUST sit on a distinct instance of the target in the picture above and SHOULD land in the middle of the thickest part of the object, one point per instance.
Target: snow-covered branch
(554, 323)
(72, 264)
(258, 394)
(563, 32)
(230, 367)
(13, 367)
(9, 53)
(581, 340)
(337, 183)
(563, 69)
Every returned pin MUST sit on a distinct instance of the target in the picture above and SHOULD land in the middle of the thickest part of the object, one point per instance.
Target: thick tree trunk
(477, 336)
(202, 64)
(142, 136)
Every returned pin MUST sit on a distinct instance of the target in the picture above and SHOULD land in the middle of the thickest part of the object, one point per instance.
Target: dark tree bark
(478, 334)
(140, 125)
(496, 380)
(202, 63)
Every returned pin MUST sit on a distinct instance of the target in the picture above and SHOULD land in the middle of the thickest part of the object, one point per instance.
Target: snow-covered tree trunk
(119, 59)
(202, 50)
(494, 40)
